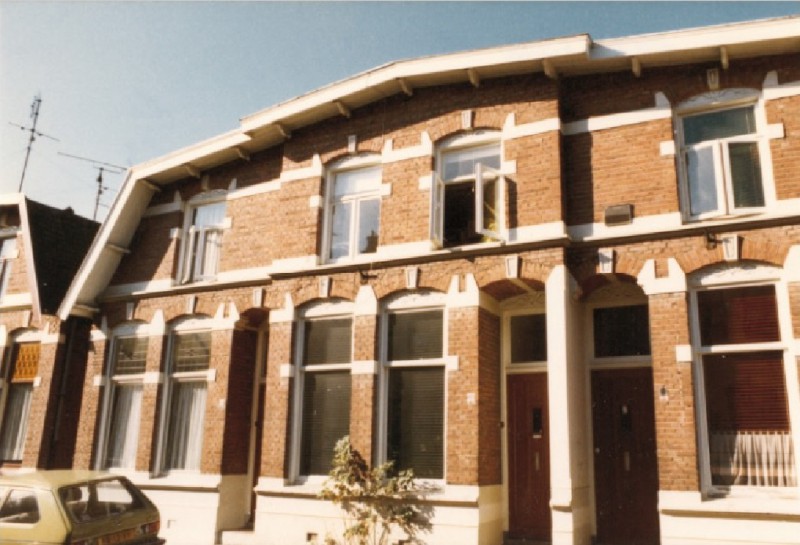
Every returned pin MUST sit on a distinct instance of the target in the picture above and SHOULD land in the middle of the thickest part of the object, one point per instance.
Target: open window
(722, 159)
(468, 197)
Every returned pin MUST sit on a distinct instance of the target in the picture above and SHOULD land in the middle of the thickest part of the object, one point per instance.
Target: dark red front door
(528, 457)
(625, 464)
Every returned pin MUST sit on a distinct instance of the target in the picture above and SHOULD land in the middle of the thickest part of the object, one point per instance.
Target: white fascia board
(696, 38)
(93, 274)
(30, 265)
(188, 154)
(415, 68)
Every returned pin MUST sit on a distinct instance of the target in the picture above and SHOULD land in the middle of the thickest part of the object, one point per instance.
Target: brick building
(43, 357)
(560, 280)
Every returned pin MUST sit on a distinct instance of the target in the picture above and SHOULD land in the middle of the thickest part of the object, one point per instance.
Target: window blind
(326, 419)
(130, 355)
(192, 352)
(416, 335)
(328, 341)
(416, 420)
(738, 316)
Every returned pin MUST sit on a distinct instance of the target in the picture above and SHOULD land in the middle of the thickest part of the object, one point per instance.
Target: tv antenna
(37, 103)
(101, 167)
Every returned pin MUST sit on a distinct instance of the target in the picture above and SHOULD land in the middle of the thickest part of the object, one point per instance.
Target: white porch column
(567, 394)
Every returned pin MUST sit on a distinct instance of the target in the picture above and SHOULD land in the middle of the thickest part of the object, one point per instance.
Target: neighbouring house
(43, 357)
(559, 280)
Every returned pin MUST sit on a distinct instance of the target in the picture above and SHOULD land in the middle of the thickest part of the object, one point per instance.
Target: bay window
(354, 212)
(124, 401)
(20, 374)
(324, 387)
(415, 391)
(468, 198)
(186, 400)
(722, 162)
(749, 434)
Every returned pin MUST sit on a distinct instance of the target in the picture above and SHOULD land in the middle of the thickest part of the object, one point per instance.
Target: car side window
(20, 507)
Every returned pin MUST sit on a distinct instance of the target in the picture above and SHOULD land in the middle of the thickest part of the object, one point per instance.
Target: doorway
(528, 457)
(625, 463)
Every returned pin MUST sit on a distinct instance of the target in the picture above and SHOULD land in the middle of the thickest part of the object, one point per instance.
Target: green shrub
(374, 500)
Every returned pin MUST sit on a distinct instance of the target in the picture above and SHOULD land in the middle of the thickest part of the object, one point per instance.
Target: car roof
(52, 479)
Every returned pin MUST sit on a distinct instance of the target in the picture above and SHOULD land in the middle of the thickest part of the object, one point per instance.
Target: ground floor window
(21, 371)
(415, 392)
(745, 390)
(124, 405)
(190, 357)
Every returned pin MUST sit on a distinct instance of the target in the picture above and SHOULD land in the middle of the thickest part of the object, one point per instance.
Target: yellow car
(70, 507)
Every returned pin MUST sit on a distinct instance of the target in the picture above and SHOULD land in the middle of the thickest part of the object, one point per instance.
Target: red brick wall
(675, 416)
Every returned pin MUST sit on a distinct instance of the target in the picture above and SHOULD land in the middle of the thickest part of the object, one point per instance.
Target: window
(528, 338)
(189, 364)
(621, 331)
(354, 216)
(203, 242)
(722, 162)
(22, 369)
(415, 392)
(469, 194)
(325, 384)
(19, 507)
(125, 401)
(746, 410)
(8, 251)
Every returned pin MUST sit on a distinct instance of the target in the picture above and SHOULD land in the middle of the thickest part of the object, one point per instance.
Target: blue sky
(124, 82)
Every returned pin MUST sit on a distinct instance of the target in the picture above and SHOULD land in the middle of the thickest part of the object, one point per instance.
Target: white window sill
(739, 500)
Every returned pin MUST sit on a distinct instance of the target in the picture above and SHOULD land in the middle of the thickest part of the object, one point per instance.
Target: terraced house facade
(43, 358)
(560, 280)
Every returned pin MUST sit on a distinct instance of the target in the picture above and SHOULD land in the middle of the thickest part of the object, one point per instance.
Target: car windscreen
(96, 500)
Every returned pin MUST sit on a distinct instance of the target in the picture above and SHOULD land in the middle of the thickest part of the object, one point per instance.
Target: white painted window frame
(344, 166)
(628, 296)
(112, 380)
(321, 311)
(190, 261)
(482, 175)
(715, 102)
(187, 326)
(6, 261)
(409, 303)
(736, 277)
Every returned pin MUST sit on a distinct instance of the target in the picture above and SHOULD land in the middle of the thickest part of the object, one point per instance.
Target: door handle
(626, 460)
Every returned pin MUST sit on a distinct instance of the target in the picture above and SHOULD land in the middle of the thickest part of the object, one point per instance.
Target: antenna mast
(37, 102)
(110, 167)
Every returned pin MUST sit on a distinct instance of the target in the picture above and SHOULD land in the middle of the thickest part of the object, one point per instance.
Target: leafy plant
(375, 500)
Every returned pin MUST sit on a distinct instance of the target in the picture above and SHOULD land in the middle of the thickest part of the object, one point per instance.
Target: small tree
(375, 500)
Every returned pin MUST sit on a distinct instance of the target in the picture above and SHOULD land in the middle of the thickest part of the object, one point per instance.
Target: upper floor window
(203, 241)
(469, 193)
(354, 212)
(723, 159)
(744, 388)
(8, 251)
